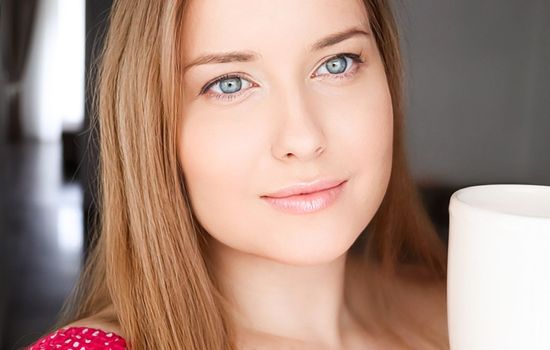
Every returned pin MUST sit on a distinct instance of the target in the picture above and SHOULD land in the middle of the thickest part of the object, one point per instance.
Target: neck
(304, 303)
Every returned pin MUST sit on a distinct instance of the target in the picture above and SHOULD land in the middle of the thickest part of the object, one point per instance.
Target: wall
(53, 83)
(478, 90)
(3, 113)
(97, 12)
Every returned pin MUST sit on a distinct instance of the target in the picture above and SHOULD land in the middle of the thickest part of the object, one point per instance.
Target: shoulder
(100, 331)
(80, 338)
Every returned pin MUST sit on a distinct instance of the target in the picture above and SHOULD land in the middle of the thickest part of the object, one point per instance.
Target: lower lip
(306, 203)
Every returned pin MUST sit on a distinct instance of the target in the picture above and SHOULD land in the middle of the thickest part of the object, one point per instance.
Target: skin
(292, 122)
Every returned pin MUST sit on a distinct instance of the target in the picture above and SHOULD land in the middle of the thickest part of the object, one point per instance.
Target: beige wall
(479, 90)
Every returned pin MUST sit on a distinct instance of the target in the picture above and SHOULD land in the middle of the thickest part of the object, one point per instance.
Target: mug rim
(460, 197)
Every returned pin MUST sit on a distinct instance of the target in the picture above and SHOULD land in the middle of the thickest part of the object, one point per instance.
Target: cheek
(363, 143)
(377, 145)
(217, 156)
(375, 162)
(362, 129)
(376, 142)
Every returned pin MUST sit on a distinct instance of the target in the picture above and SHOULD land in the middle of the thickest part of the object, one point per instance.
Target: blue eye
(230, 86)
(227, 85)
(337, 65)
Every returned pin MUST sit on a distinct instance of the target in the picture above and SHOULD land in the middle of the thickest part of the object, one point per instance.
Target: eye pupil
(337, 65)
(230, 85)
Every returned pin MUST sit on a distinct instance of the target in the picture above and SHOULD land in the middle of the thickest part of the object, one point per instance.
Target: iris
(230, 85)
(337, 65)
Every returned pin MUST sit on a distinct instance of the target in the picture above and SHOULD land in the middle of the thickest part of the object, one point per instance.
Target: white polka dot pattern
(80, 338)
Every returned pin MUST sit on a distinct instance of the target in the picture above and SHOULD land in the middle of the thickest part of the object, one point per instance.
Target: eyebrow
(247, 56)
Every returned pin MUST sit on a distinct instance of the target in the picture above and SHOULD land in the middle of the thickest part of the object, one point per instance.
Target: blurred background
(478, 111)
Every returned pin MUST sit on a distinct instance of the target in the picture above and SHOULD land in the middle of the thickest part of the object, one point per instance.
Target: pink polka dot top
(80, 338)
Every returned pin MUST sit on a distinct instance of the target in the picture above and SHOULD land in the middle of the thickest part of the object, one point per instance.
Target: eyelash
(356, 58)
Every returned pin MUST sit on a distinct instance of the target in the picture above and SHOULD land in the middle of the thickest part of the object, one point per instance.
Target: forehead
(264, 25)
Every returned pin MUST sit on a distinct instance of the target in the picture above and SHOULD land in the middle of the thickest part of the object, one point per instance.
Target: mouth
(301, 200)
(304, 189)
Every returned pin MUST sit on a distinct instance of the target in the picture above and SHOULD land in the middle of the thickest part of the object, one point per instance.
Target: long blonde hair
(148, 258)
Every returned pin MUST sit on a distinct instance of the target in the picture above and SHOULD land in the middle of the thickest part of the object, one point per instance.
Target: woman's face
(283, 108)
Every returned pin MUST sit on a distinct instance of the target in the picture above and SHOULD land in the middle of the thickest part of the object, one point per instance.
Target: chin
(308, 258)
(308, 249)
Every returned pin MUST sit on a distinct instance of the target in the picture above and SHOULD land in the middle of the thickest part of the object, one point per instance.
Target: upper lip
(305, 188)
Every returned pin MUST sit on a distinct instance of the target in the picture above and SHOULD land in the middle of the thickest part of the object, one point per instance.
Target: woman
(254, 187)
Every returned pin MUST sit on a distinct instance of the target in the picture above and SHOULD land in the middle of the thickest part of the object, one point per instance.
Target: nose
(299, 134)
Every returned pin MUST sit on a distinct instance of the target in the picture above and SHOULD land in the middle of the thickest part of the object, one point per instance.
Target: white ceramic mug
(498, 286)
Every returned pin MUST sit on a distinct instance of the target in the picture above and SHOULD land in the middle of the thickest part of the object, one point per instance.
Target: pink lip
(304, 188)
(303, 199)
